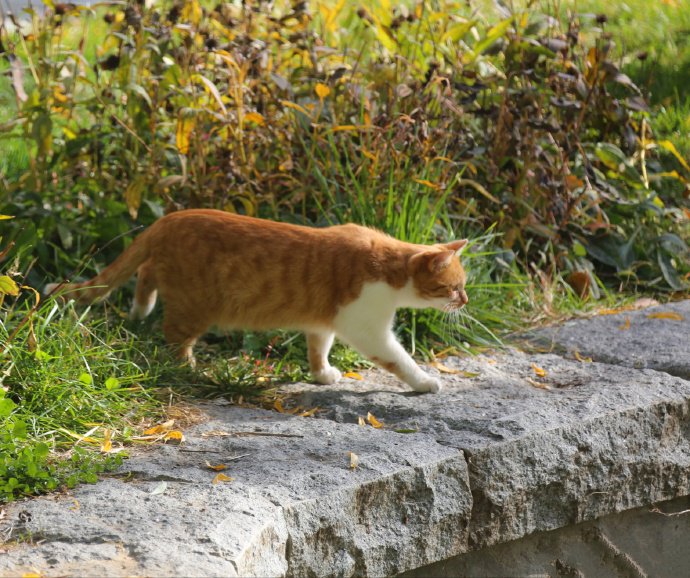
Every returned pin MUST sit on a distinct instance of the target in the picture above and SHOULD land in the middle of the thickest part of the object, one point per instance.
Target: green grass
(67, 378)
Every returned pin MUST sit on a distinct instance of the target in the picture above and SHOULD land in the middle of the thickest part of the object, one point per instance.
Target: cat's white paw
(427, 384)
(327, 376)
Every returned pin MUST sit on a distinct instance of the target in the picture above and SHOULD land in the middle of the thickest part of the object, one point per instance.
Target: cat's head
(437, 276)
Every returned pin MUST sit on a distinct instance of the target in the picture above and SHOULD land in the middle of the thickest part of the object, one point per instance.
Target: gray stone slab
(640, 543)
(602, 439)
(295, 506)
(636, 338)
(514, 444)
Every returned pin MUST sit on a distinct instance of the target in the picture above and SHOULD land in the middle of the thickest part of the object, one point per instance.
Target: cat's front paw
(427, 384)
(327, 376)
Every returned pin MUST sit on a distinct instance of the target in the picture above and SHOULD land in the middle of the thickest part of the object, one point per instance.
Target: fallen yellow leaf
(354, 460)
(218, 468)
(444, 368)
(221, 478)
(538, 370)
(107, 444)
(166, 426)
(538, 384)
(666, 315)
(309, 412)
(353, 375)
(361, 421)
(625, 325)
(174, 435)
(373, 421)
(582, 359)
(278, 406)
(609, 311)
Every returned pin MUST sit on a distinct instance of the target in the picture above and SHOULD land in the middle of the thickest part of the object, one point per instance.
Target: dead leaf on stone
(217, 468)
(161, 428)
(353, 375)
(672, 315)
(361, 421)
(32, 575)
(354, 460)
(174, 436)
(538, 370)
(278, 406)
(221, 478)
(609, 311)
(309, 412)
(580, 358)
(373, 421)
(444, 368)
(538, 384)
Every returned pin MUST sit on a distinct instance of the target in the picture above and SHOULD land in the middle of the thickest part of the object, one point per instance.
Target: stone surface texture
(516, 446)
(294, 505)
(642, 338)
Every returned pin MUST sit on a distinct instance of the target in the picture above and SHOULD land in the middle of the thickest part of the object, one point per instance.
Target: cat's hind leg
(318, 346)
(182, 332)
(145, 294)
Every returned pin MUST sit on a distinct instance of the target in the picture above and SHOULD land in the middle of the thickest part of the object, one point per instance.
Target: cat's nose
(463, 298)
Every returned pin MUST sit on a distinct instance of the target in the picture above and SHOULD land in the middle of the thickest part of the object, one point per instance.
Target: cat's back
(221, 230)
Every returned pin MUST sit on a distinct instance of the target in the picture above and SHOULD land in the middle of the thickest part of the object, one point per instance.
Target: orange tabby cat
(213, 268)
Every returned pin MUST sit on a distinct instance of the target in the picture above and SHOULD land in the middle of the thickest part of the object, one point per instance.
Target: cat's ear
(439, 261)
(457, 246)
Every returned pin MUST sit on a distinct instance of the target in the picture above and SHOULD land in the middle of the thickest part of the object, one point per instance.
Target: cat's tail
(114, 275)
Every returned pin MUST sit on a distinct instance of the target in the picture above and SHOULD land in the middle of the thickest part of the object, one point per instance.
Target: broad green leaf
(141, 91)
(669, 271)
(112, 383)
(6, 406)
(611, 156)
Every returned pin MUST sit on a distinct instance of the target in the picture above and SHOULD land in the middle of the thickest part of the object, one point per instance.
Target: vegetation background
(554, 134)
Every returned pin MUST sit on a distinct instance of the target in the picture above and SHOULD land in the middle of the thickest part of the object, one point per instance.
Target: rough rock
(601, 439)
(653, 338)
(637, 543)
(295, 506)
